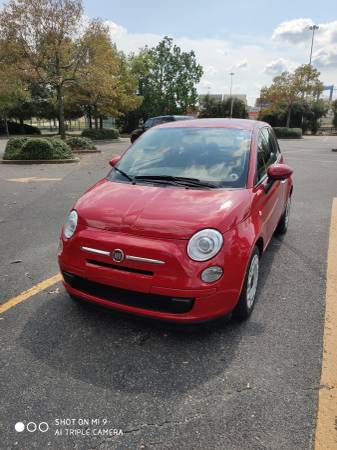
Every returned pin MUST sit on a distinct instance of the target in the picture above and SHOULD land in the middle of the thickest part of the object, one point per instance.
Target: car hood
(161, 212)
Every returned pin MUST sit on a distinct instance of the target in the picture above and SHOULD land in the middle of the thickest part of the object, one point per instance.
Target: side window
(274, 142)
(273, 150)
(263, 156)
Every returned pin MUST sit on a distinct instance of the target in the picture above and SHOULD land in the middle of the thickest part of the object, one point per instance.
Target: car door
(279, 159)
(267, 199)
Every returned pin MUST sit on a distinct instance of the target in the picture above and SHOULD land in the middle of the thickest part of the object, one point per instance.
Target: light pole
(230, 94)
(313, 28)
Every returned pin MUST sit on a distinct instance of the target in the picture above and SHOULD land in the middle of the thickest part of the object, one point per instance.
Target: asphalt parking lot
(229, 386)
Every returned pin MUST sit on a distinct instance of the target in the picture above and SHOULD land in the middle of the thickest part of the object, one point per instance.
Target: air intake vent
(154, 302)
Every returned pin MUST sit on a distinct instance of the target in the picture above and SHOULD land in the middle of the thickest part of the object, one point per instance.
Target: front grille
(122, 268)
(151, 302)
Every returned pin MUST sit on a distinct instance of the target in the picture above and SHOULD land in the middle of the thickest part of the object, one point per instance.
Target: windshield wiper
(180, 181)
(124, 174)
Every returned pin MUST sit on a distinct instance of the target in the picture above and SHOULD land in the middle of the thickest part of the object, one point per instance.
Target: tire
(247, 298)
(282, 226)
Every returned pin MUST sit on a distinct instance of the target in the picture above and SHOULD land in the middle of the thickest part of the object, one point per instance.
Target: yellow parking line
(326, 426)
(32, 179)
(30, 292)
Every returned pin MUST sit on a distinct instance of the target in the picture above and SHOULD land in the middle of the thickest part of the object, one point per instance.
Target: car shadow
(134, 355)
(267, 259)
(128, 354)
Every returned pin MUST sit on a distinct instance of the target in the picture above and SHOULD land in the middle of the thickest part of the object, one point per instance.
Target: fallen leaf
(56, 291)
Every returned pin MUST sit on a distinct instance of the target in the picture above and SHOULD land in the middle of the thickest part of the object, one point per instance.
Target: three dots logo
(31, 427)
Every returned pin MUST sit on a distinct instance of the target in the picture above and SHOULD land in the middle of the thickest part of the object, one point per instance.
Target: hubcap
(253, 276)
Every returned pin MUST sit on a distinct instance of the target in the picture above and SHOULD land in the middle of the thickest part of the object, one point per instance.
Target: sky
(255, 39)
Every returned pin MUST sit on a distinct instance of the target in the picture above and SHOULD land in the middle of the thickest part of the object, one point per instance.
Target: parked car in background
(153, 121)
(177, 229)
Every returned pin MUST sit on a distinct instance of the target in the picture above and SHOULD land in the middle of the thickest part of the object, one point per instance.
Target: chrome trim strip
(144, 260)
(128, 257)
(96, 251)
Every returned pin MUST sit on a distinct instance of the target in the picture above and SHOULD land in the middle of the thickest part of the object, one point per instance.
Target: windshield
(215, 155)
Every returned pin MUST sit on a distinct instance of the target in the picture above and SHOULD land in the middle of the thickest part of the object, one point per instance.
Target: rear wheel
(282, 226)
(247, 299)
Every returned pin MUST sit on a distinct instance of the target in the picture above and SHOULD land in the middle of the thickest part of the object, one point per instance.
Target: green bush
(37, 149)
(97, 135)
(288, 133)
(81, 142)
(61, 150)
(14, 147)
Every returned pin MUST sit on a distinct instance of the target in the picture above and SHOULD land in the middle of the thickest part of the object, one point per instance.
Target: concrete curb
(106, 141)
(40, 161)
(81, 152)
(290, 139)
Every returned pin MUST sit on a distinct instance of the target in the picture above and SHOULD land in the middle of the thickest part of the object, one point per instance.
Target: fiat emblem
(118, 255)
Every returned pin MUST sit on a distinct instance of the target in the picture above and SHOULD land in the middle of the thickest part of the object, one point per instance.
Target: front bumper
(171, 291)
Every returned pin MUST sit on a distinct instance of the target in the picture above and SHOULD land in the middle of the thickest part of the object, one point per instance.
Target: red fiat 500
(177, 228)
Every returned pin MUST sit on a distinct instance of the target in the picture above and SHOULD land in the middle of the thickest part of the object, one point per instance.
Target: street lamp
(313, 28)
(230, 94)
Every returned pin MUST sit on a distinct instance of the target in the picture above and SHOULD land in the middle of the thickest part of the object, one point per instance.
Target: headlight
(204, 244)
(70, 225)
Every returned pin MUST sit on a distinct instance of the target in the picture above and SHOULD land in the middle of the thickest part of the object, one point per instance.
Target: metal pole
(312, 28)
(230, 94)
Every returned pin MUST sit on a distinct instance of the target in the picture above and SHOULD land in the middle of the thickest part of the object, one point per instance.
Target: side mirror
(279, 172)
(114, 160)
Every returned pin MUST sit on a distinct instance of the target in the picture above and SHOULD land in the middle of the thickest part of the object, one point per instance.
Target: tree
(167, 79)
(288, 89)
(215, 108)
(317, 110)
(334, 110)
(105, 85)
(13, 90)
(42, 40)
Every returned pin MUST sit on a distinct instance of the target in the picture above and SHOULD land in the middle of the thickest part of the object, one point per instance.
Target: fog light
(210, 274)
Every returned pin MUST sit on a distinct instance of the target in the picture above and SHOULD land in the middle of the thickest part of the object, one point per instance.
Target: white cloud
(297, 31)
(210, 70)
(293, 31)
(241, 64)
(326, 56)
(325, 46)
(278, 66)
(116, 31)
(327, 33)
(254, 60)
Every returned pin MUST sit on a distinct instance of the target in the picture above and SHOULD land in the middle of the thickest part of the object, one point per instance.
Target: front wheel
(247, 299)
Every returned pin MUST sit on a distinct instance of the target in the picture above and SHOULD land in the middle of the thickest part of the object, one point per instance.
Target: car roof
(245, 124)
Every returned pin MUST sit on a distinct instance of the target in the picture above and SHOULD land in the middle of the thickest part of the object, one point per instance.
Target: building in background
(253, 112)
(242, 97)
(215, 97)
(221, 97)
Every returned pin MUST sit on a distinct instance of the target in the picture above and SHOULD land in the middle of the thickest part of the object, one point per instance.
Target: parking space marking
(312, 160)
(32, 179)
(326, 425)
(30, 292)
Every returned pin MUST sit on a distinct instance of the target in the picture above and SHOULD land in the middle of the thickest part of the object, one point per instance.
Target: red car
(177, 229)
